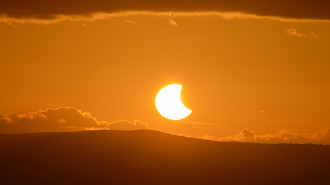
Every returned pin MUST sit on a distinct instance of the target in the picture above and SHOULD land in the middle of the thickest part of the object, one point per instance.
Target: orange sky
(263, 74)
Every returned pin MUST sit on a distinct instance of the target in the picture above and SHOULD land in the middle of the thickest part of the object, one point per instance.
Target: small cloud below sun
(173, 22)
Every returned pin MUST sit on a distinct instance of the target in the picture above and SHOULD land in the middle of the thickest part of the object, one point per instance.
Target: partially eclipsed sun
(169, 104)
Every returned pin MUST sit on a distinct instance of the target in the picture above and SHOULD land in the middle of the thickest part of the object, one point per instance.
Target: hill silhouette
(150, 157)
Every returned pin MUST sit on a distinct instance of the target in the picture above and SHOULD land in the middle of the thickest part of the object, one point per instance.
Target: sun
(169, 104)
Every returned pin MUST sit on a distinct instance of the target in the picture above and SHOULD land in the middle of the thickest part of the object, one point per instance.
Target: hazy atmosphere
(269, 75)
(165, 92)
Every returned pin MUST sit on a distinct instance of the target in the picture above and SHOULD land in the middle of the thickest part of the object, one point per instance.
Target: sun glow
(169, 104)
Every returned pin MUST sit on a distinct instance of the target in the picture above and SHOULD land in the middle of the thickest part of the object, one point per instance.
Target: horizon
(68, 119)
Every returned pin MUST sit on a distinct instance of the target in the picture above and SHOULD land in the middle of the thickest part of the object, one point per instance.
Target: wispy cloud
(294, 32)
(173, 23)
(130, 21)
(314, 35)
(283, 136)
(299, 34)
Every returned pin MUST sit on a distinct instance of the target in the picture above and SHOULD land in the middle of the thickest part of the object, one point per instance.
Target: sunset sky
(248, 66)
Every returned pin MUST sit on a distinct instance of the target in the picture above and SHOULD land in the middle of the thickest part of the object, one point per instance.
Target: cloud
(126, 125)
(130, 21)
(283, 136)
(60, 120)
(207, 137)
(294, 32)
(315, 36)
(306, 9)
(173, 23)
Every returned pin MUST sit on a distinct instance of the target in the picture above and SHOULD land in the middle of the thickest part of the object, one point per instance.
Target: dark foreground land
(148, 157)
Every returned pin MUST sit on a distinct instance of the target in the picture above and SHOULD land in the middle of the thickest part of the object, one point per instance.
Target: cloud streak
(173, 23)
(297, 9)
(63, 119)
(283, 136)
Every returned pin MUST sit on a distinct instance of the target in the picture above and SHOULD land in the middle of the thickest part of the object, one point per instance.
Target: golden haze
(258, 73)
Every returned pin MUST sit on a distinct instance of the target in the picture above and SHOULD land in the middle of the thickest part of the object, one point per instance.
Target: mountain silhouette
(150, 157)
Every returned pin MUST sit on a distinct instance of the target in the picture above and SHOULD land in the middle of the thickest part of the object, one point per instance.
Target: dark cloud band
(298, 9)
